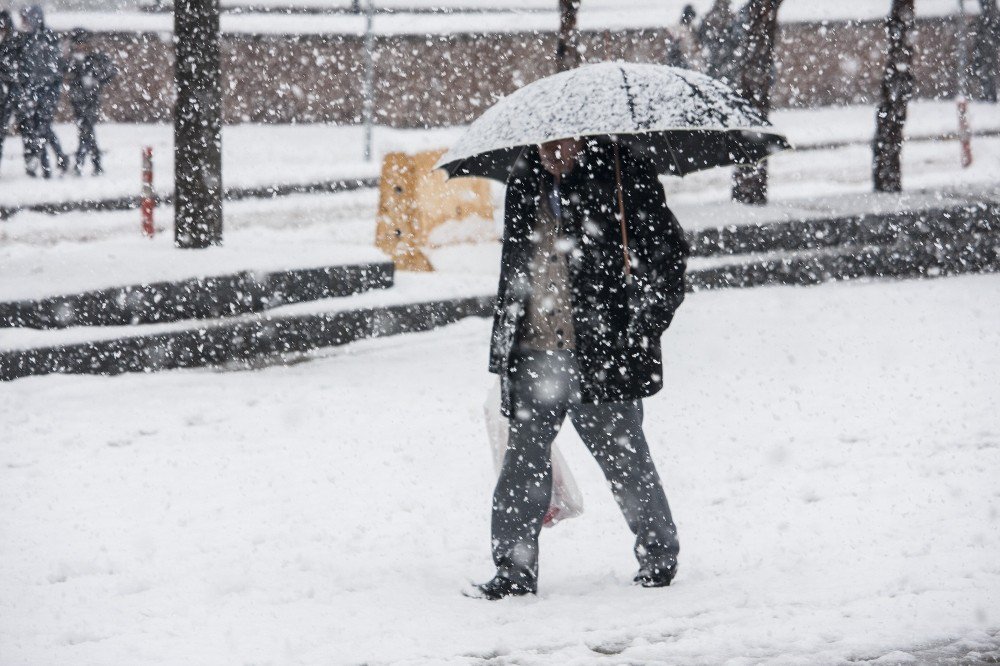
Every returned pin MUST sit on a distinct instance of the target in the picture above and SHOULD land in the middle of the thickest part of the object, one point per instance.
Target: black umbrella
(679, 120)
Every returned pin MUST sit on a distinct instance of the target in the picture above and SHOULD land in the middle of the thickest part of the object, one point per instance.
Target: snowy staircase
(245, 317)
(234, 318)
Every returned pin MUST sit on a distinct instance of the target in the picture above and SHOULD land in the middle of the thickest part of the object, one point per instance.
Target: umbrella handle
(621, 214)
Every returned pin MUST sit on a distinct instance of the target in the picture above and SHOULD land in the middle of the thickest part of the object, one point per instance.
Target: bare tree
(197, 125)
(897, 88)
(986, 51)
(760, 24)
(567, 52)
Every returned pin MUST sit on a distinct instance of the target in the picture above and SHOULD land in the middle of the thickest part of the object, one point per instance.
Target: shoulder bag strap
(621, 214)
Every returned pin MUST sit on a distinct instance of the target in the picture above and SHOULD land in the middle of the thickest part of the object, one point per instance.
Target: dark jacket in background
(10, 56)
(618, 328)
(86, 77)
(9, 62)
(720, 36)
(41, 63)
(40, 72)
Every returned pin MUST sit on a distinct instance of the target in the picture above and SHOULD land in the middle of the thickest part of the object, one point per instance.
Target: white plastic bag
(566, 500)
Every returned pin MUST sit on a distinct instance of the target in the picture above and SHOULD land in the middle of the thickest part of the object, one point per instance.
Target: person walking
(592, 271)
(591, 274)
(89, 71)
(9, 59)
(40, 77)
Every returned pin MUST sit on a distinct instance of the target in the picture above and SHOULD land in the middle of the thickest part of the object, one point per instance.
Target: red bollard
(148, 202)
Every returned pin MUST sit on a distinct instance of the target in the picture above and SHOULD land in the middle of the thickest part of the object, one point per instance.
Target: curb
(938, 224)
(965, 253)
(196, 298)
(238, 342)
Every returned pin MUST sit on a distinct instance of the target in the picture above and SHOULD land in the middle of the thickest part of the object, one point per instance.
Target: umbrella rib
(673, 157)
(697, 93)
(628, 97)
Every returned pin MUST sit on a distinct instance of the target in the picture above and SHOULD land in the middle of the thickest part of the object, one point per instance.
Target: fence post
(148, 202)
(964, 134)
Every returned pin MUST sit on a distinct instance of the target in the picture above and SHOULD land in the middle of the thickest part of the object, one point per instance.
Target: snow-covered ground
(830, 453)
(256, 155)
(76, 267)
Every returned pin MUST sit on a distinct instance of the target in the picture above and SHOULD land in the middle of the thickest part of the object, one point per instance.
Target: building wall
(450, 79)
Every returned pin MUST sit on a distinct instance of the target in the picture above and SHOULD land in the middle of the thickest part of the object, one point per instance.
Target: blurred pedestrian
(89, 71)
(688, 44)
(719, 36)
(40, 78)
(8, 74)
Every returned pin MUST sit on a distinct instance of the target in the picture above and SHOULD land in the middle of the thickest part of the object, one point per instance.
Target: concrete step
(241, 341)
(931, 257)
(931, 241)
(928, 224)
(248, 341)
(196, 298)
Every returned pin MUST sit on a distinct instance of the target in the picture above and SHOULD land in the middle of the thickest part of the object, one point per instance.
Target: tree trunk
(896, 90)
(760, 24)
(197, 125)
(567, 53)
(986, 51)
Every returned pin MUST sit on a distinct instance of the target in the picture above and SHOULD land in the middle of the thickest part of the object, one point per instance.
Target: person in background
(89, 71)
(687, 44)
(719, 35)
(8, 73)
(40, 75)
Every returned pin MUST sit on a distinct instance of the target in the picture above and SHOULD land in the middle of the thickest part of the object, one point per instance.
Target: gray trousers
(544, 390)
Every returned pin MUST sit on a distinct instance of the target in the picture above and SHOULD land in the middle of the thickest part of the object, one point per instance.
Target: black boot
(498, 588)
(656, 577)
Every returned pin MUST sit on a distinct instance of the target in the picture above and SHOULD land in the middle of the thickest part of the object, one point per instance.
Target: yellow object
(414, 200)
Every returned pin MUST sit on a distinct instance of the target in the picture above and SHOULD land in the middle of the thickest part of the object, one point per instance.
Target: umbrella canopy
(681, 120)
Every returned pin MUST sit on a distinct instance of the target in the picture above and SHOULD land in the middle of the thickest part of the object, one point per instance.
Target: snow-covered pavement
(831, 455)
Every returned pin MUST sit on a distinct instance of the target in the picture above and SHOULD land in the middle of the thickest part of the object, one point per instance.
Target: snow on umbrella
(681, 120)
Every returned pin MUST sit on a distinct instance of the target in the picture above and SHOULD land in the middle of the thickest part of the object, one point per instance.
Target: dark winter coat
(41, 65)
(9, 61)
(617, 327)
(721, 35)
(87, 75)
